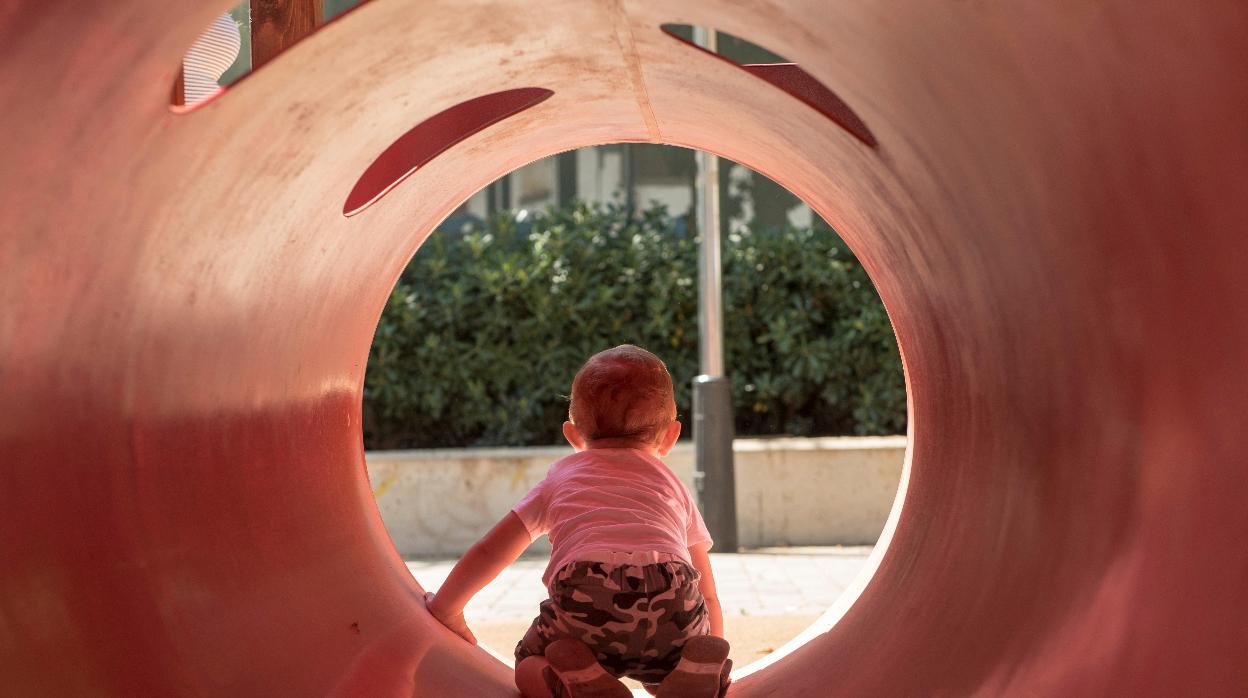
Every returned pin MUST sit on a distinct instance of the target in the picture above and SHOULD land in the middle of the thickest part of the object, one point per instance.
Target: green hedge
(482, 335)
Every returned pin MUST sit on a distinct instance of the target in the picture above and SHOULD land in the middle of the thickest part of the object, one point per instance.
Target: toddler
(631, 589)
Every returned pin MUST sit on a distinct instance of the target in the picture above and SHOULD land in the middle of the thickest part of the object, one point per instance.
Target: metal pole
(712, 394)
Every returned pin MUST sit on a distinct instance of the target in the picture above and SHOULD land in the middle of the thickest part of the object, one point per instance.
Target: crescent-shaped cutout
(433, 136)
(800, 84)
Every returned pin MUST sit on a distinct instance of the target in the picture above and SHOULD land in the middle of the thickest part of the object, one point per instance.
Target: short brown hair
(623, 393)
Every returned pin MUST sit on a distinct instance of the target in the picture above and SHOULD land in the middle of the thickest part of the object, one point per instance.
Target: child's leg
(532, 679)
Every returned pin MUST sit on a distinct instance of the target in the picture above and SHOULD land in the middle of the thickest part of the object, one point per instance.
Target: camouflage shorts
(635, 618)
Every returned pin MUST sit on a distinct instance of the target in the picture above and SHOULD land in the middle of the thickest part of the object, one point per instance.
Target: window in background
(637, 175)
(534, 186)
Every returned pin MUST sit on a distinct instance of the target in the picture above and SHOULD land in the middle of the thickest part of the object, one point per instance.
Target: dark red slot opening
(433, 136)
(800, 84)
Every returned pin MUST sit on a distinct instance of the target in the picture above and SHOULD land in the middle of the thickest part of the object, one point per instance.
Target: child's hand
(454, 622)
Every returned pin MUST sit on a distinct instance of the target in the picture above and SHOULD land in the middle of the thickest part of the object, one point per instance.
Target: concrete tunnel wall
(1053, 217)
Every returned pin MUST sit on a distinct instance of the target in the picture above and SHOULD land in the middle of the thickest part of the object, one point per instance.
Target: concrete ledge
(818, 491)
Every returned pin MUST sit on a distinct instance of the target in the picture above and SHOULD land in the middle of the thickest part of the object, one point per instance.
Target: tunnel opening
(515, 254)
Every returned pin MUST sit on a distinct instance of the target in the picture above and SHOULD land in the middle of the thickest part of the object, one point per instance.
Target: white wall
(822, 491)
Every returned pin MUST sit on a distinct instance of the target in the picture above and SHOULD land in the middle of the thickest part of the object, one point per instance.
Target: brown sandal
(581, 674)
(701, 672)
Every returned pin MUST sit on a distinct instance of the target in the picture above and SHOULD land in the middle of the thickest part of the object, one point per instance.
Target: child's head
(624, 395)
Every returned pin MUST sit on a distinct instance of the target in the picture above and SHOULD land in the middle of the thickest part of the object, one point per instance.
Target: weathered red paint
(1054, 217)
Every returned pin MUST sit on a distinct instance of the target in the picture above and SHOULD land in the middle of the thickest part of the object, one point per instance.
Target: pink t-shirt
(611, 500)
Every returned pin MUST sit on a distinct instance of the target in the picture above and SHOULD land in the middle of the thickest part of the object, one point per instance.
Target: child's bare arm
(478, 567)
(702, 563)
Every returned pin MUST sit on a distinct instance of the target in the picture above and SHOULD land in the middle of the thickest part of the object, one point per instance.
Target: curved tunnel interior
(1050, 211)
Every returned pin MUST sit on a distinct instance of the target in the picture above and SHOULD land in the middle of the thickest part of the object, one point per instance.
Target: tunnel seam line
(628, 48)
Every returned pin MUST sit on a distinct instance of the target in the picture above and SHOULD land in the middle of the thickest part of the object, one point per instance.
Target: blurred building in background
(635, 175)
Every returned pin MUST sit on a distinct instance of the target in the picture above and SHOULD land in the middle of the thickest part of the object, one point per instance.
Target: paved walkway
(769, 596)
(774, 581)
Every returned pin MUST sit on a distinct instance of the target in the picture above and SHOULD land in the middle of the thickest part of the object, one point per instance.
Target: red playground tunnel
(1051, 197)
